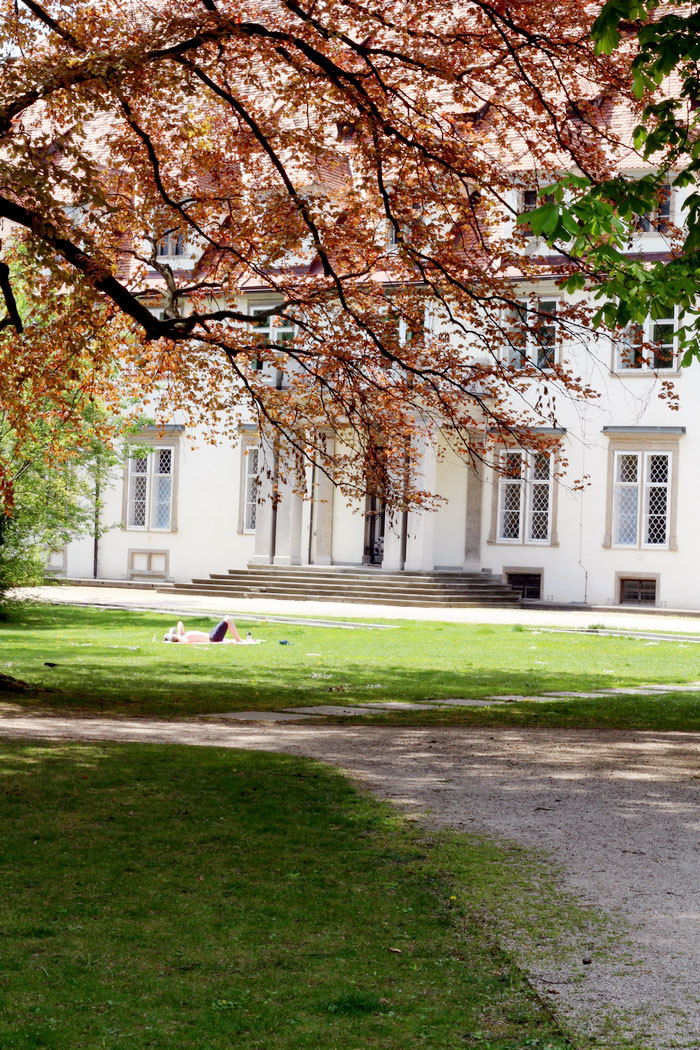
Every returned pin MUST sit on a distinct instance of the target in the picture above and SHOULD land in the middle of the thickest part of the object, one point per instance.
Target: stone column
(472, 536)
(289, 514)
(265, 511)
(322, 531)
(420, 540)
(391, 562)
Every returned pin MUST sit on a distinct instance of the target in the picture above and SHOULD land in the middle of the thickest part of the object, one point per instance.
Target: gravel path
(617, 811)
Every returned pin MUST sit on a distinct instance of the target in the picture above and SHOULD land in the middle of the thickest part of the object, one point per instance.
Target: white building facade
(179, 510)
(616, 524)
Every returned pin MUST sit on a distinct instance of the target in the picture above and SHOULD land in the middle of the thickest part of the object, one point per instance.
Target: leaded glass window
(525, 497)
(138, 492)
(252, 466)
(656, 502)
(641, 499)
(150, 490)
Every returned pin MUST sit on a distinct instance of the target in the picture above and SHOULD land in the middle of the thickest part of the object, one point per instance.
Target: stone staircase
(371, 586)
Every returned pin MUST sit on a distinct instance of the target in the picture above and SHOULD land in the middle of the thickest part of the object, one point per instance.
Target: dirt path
(618, 811)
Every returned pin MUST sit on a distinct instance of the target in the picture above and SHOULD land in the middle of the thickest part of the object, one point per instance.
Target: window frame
(152, 440)
(176, 239)
(135, 573)
(287, 331)
(646, 367)
(151, 503)
(527, 483)
(392, 239)
(249, 441)
(657, 221)
(535, 202)
(532, 348)
(640, 440)
(533, 572)
(641, 578)
(644, 484)
(250, 504)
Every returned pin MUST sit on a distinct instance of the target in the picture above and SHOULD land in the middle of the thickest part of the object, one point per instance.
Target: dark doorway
(375, 518)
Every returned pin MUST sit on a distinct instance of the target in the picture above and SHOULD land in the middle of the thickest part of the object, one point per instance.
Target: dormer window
(172, 244)
(345, 130)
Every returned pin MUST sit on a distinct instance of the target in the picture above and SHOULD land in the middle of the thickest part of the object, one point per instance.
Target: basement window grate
(637, 592)
(528, 583)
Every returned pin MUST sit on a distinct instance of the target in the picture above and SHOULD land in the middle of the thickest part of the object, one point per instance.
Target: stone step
(373, 599)
(361, 572)
(355, 584)
(353, 587)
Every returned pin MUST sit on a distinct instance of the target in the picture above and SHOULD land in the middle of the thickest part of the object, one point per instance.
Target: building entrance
(375, 520)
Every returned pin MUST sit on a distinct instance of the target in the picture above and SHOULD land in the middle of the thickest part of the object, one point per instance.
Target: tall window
(150, 490)
(532, 333)
(525, 497)
(252, 467)
(641, 499)
(630, 354)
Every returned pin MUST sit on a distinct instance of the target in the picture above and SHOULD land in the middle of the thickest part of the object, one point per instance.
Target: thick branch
(100, 277)
(52, 24)
(13, 318)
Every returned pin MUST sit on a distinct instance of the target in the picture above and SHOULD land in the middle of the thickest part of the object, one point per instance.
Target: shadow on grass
(217, 899)
(195, 688)
(114, 661)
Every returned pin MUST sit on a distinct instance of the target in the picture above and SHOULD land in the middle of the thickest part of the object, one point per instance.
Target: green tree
(56, 497)
(56, 434)
(592, 221)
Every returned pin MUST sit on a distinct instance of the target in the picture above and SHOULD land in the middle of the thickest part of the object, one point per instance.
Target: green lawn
(181, 898)
(116, 662)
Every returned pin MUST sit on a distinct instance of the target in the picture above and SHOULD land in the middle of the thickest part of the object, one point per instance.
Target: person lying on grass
(179, 634)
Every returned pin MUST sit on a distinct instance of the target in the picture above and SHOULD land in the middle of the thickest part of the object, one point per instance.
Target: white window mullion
(626, 499)
(511, 498)
(539, 497)
(160, 511)
(137, 493)
(252, 458)
(656, 503)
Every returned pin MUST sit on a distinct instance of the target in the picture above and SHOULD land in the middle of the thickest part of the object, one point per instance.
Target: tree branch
(52, 24)
(13, 318)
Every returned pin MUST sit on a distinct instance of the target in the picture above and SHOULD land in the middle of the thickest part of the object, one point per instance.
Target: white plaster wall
(206, 538)
(348, 532)
(450, 519)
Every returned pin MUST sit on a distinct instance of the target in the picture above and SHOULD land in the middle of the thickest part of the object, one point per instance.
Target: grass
(115, 662)
(169, 898)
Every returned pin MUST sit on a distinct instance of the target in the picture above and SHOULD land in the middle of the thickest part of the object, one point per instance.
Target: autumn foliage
(351, 164)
